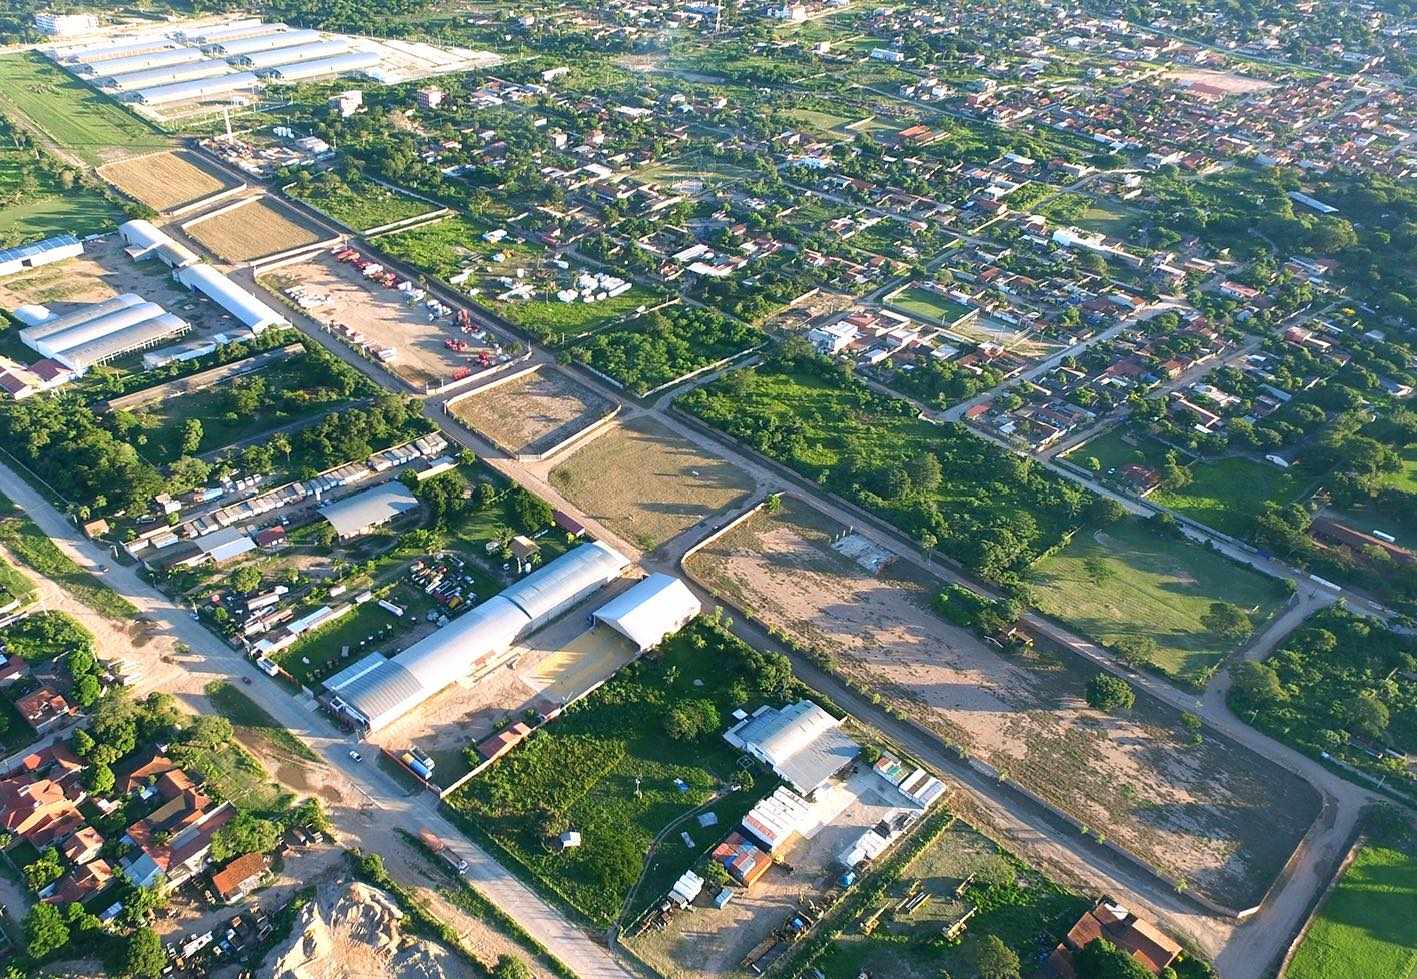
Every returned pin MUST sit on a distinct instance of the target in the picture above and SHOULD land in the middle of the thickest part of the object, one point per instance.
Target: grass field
(927, 305)
(606, 769)
(255, 230)
(164, 181)
(251, 721)
(357, 203)
(78, 212)
(1130, 582)
(1405, 478)
(447, 247)
(318, 655)
(661, 484)
(71, 115)
(31, 547)
(1227, 494)
(559, 323)
(1368, 924)
(1112, 450)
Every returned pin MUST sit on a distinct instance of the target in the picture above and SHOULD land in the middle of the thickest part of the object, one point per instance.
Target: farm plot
(75, 118)
(165, 181)
(660, 487)
(1364, 928)
(1212, 814)
(260, 227)
(607, 770)
(378, 319)
(532, 413)
(1129, 583)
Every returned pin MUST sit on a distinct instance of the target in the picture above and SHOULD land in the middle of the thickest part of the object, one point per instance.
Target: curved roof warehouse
(377, 691)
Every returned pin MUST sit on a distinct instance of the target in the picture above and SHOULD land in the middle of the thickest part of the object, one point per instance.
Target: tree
(210, 731)
(246, 579)
(87, 690)
(191, 436)
(995, 960)
(45, 931)
(1110, 693)
(510, 967)
(1136, 651)
(44, 870)
(1367, 713)
(246, 833)
(691, 720)
(98, 779)
(1258, 685)
(1100, 959)
(144, 955)
(1227, 621)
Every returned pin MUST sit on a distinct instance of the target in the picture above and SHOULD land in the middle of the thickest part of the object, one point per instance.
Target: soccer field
(1365, 928)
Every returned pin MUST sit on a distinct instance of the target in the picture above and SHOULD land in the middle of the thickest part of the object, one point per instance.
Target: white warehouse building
(104, 331)
(376, 691)
(257, 60)
(200, 88)
(140, 62)
(240, 303)
(650, 611)
(262, 42)
(154, 77)
(338, 65)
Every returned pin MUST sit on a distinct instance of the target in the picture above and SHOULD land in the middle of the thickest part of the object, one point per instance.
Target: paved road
(386, 803)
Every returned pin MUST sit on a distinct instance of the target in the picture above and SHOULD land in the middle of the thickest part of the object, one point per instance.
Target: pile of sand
(355, 931)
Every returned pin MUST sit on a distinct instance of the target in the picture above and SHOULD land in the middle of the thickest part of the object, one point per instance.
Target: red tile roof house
(80, 883)
(33, 809)
(44, 709)
(239, 877)
(175, 839)
(1143, 941)
(83, 846)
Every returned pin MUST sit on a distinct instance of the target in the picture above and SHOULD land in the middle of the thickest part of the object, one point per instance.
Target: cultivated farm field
(532, 413)
(647, 483)
(1366, 926)
(1212, 814)
(254, 230)
(1130, 582)
(164, 181)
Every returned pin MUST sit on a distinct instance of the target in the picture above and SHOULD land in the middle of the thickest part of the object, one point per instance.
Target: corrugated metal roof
(99, 326)
(384, 693)
(299, 52)
(139, 62)
(649, 611)
(340, 63)
(36, 248)
(354, 671)
(154, 77)
(235, 300)
(371, 508)
(59, 324)
(545, 591)
(127, 340)
(263, 42)
(199, 88)
(455, 650)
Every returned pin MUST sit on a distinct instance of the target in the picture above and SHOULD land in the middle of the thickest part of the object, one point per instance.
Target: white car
(355, 756)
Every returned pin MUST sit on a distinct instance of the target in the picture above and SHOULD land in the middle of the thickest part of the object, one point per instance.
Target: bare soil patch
(165, 181)
(532, 413)
(648, 484)
(261, 227)
(1227, 81)
(1214, 815)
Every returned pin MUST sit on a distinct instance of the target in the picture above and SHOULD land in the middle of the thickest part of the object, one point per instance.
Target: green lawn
(447, 247)
(1227, 494)
(1129, 581)
(1368, 924)
(358, 203)
(558, 322)
(1405, 478)
(930, 306)
(1113, 451)
(74, 116)
(78, 212)
(250, 718)
(317, 655)
(607, 769)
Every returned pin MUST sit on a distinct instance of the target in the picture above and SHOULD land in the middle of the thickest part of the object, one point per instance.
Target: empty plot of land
(382, 317)
(532, 413)
(1213, 814)
(260, 227)
(647, 483)
(164, 181)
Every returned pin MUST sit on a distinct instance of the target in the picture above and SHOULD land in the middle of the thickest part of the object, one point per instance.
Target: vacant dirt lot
(1228, 82)
(532, 413)
(648, 484)
(164, 181)
(263, 226)
(382, 317)
(1213, 814)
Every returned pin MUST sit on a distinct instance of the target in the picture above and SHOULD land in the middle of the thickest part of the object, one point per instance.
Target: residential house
(239, 877)
(175, 839)
(44, 710)
(79, 884)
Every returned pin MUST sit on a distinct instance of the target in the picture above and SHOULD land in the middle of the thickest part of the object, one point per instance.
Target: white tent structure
(253, 314)
(652, 610)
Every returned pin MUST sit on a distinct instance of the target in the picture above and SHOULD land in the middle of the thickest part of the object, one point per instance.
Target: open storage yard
(1129, 582)
(259, 227)
(1212, 814)
(352, 306)
(1365, 926)
(165, 181)
(647, 483)
(532, 413)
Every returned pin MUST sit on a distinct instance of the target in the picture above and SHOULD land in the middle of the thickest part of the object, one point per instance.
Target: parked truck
(431, 840)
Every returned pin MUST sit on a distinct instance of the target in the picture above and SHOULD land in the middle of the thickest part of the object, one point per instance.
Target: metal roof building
(262, 42)
(228, 31)
(121, 325)
(300, 52)
(253, 314)
(33, 334)
(144, 238)
(338, 65)
(91, 53)
(198, 89)
(141, 62)
(154, 77)
(378, 692)
(364, 511)
(38, 253)
(801, 742)
(650, 611)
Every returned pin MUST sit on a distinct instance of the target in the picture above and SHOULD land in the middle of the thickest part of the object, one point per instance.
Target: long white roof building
(378, 691)
(253, 314)
(104, 331)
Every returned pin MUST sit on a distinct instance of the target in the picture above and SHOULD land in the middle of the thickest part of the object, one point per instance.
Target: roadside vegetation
(664, 345)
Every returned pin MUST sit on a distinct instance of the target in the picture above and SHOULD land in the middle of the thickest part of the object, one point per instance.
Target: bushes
(46, 635)
(970, 610)
(1110, 693)
(665, 345)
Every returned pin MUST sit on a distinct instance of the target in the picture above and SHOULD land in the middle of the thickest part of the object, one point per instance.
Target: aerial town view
(686, 489)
